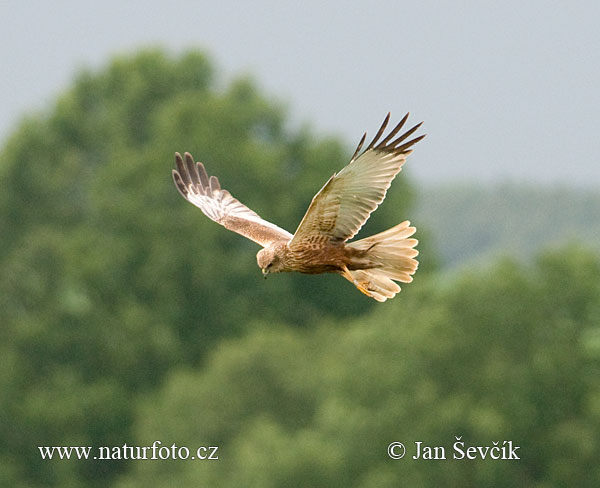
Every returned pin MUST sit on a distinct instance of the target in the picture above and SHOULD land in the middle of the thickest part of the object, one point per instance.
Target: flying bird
(335, 215)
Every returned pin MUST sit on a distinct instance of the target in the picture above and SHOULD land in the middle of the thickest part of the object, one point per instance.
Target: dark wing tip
(389, 144)
(191, 169)
(360, 144)
(393, 132)
(178, 160)
(403, 137)
(394, 146)
(380, 131)
(202, 174)
(405, 146)
(179, 184)
(213, 183)
(183, 170)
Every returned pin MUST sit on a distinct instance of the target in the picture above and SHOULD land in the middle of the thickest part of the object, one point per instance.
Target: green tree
(507, 353)
(109, 278)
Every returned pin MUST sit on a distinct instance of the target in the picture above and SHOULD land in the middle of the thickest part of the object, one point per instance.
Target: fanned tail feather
(393, 253)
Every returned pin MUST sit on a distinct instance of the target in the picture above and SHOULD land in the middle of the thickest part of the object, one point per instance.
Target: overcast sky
(508, 90)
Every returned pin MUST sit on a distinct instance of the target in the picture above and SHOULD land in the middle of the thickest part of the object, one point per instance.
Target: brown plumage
(335, 215)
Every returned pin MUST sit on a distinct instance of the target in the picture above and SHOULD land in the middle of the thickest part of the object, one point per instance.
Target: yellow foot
(363, 286)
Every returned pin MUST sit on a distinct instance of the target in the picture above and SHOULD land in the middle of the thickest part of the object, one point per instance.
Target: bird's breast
(315, 260)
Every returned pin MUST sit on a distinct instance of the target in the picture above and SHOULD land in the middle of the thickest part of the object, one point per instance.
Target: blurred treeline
(474, 224)
(129, 317)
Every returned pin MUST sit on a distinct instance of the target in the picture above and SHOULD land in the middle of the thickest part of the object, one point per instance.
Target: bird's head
(268, 261)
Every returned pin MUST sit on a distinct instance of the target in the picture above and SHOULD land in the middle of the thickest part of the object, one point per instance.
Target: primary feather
(336, 214)
(347, 200)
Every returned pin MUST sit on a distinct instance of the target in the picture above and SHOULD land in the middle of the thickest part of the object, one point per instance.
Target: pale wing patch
(362, 186)
(347, 200)
(219, 205)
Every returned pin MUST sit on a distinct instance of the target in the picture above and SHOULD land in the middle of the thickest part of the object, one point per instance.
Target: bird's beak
(265, 273)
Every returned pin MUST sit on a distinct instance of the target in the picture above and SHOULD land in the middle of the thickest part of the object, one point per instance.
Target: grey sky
(509, 90)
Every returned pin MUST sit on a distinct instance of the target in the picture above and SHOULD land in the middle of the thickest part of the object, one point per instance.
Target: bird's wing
(347, 200)
(205, 192)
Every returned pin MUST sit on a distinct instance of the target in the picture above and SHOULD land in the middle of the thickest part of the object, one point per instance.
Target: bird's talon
(364, 287)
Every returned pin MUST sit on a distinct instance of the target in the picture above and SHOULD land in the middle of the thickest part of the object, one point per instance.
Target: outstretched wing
(347, 200)
(205, 192)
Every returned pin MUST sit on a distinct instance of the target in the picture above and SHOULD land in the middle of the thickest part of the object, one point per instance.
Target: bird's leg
(346, 274)
(362, 286)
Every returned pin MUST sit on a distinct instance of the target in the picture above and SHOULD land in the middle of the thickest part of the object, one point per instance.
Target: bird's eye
(269, 265)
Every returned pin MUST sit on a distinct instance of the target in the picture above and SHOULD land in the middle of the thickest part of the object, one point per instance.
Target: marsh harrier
(335, 215)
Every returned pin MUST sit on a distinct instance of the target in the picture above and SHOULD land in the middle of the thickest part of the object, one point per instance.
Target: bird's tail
(393, 252)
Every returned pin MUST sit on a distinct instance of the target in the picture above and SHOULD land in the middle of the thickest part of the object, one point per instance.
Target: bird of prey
(335, 215)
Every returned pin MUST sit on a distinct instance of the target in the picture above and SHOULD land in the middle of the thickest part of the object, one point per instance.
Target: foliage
(509, 353)
(128, 317)
(110, 278)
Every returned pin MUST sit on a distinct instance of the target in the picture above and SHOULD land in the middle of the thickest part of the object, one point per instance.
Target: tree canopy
(127, 316)
(109, 277)
(506, 353)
